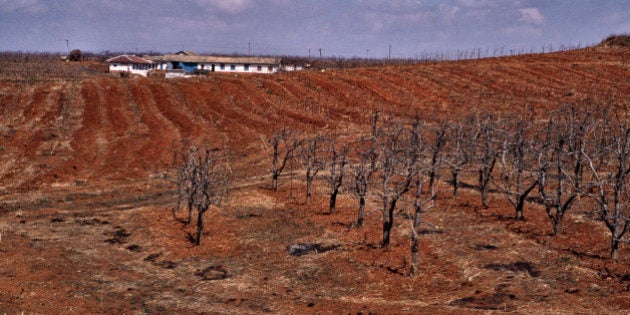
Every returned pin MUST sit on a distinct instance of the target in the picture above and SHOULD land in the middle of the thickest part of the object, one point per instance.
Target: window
(270, 68)
(259, 68)
(222, 66)
(246, 67)
(232, 67)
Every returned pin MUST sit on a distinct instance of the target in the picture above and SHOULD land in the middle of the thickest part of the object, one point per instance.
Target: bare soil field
(87, 223)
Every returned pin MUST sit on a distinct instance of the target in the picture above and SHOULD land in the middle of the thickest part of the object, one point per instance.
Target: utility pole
(68, 47)
(249, 48)
(389, 53)
(320, 53)
(309, 54)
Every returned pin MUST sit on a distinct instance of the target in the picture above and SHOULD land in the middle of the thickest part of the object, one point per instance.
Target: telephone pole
(389, 53)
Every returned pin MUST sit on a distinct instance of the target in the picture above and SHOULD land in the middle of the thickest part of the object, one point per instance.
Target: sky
(340, 28)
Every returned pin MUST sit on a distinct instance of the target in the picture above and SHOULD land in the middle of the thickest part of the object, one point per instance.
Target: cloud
(29, 6)
(531, 16)
(523, 31)
(449, 12)
(228, 6)
(473, 3)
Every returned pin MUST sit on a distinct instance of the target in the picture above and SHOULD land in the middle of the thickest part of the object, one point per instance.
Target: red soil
(86, 219)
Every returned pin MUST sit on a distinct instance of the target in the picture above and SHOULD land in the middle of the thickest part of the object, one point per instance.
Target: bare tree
(610, 182)
(284, 144)
(211, 176)
(313, 162)
(485, 151)
(436, 154)
(423, 201)
(399, 151)
(202, 181)
(457, 155)
(516, 179)
(336, 169)
(186, 183)
(363, 169)
(561, 163)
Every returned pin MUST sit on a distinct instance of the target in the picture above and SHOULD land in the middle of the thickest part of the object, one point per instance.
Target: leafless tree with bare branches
(457, 155)
(363, 168)
(561, 163)
(284, 144)
(610, 180)
(516, 179)
(202, 179)
(399, 150)
(424, 168)
(336, 169)
(436, 154)
(485, 150)
(312, 156)
(186, 184)
(212, 176)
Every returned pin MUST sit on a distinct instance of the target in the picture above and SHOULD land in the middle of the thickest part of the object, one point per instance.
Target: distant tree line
(578, 154)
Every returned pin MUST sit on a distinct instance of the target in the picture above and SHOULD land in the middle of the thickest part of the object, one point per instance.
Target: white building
(183, 64)
(130, 63)
(192, 64)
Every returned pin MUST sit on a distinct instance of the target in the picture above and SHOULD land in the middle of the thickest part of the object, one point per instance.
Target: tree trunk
(199, 227)
(361, 211)
(557, 226)
(309, 184)
(387, 227)
(432, 184)
(190, 213)
(455, 182)
(274, 181)
(414, 245)
(614, 245)
(333, 200)
(388, 223)
(415, 256)
(519, 211)
(484, 195)
(554, 222)
(521, 201)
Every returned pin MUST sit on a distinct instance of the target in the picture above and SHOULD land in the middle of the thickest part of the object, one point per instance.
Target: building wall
(162, 66)
(235, 67)
(118, 67)
(292, 68)
(227, 67)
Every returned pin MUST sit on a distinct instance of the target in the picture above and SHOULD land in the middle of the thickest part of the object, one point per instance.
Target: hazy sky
(290, 27)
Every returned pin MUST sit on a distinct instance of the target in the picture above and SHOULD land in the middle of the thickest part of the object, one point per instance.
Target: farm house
(186, 63)
(194, 64)
(130, 63)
